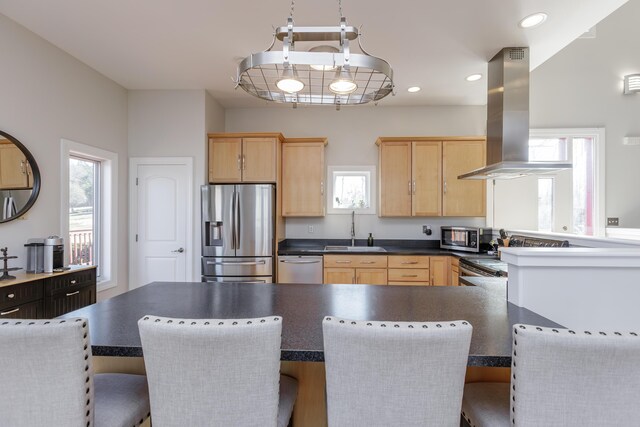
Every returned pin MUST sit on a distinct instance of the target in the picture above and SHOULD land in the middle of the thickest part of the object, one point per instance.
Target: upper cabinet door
(242, 160)
(258, 160)
(426, 165)
(225, 160)
(463, 197)
(303, 179)
(13, 167)
(396, 184)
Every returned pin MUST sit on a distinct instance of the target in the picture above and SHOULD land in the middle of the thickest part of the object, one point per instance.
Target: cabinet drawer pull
(11, 296)
(409, 275)
(73, 282)
(73, 293)
(367, 262)
(343, 262)
(409, 262)
(10, 311)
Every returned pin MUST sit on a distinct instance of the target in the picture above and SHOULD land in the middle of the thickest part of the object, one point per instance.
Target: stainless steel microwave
(468, 239)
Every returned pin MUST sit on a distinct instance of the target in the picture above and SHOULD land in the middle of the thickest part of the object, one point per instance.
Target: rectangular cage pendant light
(329, 73)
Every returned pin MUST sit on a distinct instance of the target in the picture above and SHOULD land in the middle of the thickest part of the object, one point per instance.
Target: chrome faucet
(353, 228)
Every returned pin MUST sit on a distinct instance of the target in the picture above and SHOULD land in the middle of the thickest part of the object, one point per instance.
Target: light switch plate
(613, 221)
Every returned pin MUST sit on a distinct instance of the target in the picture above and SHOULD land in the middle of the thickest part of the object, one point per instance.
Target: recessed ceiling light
(474, 77)
(413, 89)
(533, 20)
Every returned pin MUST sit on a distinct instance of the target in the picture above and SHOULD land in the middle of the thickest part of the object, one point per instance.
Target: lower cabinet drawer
(30, 310)
(65, 282)
(408, 275)
(64, 302)
(12, 296)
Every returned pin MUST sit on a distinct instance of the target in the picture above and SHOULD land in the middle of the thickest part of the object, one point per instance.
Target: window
(545, 204)
(84, 237)
(89, 195)
(351, 188)
(571, 201)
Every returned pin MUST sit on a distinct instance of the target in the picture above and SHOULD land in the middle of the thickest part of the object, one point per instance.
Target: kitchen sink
(354, 249)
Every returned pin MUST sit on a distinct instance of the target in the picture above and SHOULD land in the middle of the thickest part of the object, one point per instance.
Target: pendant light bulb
(289, 82)
(324, 49)
(343, 83)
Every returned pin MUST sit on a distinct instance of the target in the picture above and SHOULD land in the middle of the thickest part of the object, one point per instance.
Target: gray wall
(48, 95)
(351, 134)
(174, 123)
(581, 86)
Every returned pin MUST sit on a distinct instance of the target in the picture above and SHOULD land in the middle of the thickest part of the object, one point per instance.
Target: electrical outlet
(310, 229)
(426, 229)
(613, 221)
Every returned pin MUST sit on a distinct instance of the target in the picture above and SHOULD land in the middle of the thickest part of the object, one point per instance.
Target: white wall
(174, 123)
(351, 134)
(48, 95)
(581, 86)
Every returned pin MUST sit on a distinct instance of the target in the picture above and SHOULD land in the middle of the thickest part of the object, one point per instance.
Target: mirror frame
(35, 191)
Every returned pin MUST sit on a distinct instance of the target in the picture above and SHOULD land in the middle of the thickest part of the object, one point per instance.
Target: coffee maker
(45, 255)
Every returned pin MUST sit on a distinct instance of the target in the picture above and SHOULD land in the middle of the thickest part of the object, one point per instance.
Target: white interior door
(163, 224)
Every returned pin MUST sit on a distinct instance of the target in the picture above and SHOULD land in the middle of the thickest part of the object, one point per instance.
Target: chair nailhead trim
(206, 323)
(394, 325)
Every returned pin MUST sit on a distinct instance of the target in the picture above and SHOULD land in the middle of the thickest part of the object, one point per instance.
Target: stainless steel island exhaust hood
(508, 120)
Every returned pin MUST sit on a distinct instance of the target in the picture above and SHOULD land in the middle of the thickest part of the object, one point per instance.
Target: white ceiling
(196, 44)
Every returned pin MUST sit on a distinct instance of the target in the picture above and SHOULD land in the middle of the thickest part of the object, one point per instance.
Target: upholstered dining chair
(216, 372)
(47, 379)
(563, 378)
(395, 373)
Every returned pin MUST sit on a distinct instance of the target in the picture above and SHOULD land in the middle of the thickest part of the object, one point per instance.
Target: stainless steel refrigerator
(238, 222)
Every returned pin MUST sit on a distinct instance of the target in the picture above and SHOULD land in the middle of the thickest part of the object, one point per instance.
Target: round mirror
(19, 178)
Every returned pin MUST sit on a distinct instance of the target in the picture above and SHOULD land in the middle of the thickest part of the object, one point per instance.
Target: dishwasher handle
(287, 261)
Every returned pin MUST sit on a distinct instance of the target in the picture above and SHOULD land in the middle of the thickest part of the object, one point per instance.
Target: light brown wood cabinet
(14, 168)
(419, 177)
(242, 158)
(356, 269)
(455, 271)
(439, 268)
(405, 270)
(303, 182)
(463, 197)
(408, 270)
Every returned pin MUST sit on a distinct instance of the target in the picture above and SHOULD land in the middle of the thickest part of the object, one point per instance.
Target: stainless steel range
(483, 266)
(494, 267)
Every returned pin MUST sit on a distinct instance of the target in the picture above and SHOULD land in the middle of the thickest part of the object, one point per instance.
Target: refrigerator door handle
(262, 262)
(238, 216)
(233, 220)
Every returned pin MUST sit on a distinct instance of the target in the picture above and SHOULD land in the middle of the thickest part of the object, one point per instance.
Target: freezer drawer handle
(236, 262)
(299, 262)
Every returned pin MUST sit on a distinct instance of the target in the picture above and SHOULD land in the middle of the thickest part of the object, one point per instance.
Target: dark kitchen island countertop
(114, 329)
(496, 286)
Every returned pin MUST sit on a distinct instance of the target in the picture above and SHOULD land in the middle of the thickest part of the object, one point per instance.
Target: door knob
(179, 250)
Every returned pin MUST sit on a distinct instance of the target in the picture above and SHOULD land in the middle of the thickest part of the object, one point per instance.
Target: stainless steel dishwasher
(299, 269)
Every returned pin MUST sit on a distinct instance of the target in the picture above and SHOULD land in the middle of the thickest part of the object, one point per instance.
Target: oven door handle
(466, 272)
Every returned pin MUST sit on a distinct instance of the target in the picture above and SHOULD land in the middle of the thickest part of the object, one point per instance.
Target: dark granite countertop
(114, 329)
(496, 286)
(392, 247)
